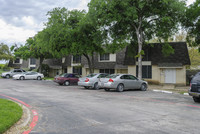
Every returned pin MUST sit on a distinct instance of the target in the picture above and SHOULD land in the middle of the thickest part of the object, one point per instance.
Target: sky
(21, 19)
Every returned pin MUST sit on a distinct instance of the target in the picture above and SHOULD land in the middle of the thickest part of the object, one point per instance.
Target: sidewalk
(171, 88)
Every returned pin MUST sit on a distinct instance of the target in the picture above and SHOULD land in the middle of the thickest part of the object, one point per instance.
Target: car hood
(6, 73)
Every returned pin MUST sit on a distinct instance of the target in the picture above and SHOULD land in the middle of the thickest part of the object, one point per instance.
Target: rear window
(91, 75)
(112, 76)
(62, 75)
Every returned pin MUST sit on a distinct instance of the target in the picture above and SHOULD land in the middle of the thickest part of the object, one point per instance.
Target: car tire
(107, 89)
(39, 78)
(86, 87)
(96, 86)
(196, 99)
(7, 76)
(66, 83)
(21, 78)
(143, 87)
(120, 88)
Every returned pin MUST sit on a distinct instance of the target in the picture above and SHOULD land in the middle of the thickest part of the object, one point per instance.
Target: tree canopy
(137, 21)
(192, 24)
(5, 53)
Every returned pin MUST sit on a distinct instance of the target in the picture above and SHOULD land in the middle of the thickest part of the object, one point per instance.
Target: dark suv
(195, 87)
(67, 79)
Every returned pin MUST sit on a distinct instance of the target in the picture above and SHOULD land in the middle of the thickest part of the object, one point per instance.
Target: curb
(169, 92)
(22, 126)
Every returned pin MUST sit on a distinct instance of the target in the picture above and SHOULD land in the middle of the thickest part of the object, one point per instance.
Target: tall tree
(71, 32)
(137, 21)
(192, 24)
(33, 49)
(5, 53)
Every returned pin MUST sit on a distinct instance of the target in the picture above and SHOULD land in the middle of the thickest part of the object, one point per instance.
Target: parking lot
(75, 110)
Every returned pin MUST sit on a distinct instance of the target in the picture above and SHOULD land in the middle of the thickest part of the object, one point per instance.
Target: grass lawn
(48, 78)
(10, 113)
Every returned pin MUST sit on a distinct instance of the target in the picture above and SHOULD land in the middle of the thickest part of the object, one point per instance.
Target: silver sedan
(91, 80)
(121, 82)
(28, 75)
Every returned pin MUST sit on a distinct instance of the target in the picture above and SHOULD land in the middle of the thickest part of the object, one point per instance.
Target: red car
(67, 79)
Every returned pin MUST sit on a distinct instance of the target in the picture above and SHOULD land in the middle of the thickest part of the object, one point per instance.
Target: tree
(33, 49)
(192, 24)
(194, 58)
(5, 53)
(137, 21)
(72, 32)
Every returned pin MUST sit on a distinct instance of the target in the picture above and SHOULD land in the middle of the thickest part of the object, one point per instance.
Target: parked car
(67, 79)
(91, 81)
(194, 90)
(29, 76)
(120, 82)
(12, 73)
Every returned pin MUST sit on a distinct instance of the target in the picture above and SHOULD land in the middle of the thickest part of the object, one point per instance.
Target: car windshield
(91, 75)
(112, 76)
(62, 75)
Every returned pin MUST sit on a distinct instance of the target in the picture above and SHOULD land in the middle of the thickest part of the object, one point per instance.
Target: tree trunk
(140, 42)
(89, 63)
(40, 65)
(92, 62)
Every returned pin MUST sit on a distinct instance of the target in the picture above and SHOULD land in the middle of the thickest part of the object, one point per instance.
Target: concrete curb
(168, 92)
(23, 124)
(27, 122)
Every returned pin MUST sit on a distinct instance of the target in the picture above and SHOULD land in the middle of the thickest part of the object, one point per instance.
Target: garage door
(170, 76)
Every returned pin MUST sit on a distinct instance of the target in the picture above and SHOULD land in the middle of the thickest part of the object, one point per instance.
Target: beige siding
(181, 76)
(132, 70)
(69, 69)
(121, 71)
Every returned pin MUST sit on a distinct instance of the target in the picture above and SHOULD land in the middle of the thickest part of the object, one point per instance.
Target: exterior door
(170, 76)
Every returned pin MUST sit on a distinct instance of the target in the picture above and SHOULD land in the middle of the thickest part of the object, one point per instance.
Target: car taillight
(110, 80)
(87, 80)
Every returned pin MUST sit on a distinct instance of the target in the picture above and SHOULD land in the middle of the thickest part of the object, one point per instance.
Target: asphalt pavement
(75, 110)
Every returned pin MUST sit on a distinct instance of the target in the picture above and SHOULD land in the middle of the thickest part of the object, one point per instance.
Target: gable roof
(153, 53)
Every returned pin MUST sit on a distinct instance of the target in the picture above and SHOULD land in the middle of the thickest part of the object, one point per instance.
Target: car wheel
(196, 99)
(96, 86)
(66, 83)
(39, 78)
(143, 87)
(107, 89)
(7, 76)
(22, 78)
(86, 87)
(120, 88)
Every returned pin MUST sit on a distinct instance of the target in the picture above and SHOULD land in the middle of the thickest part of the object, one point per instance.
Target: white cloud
(12, 34)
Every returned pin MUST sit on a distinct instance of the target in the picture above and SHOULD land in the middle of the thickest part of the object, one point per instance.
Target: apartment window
(76, 59)
(32, 61)
(17, 61)
(104, 57)
(146, 72)
(108, 71)
(77, 70)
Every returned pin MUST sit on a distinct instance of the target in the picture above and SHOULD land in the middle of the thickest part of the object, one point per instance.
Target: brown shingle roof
(156, 56)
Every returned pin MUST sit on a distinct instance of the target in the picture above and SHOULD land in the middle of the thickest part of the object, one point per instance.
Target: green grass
(10, 113)
(48, 78)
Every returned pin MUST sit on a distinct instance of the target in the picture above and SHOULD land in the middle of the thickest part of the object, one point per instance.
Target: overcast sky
(20, 19)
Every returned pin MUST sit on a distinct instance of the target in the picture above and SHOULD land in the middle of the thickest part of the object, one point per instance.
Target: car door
(27, 75)
(125, 80)
(135, 84)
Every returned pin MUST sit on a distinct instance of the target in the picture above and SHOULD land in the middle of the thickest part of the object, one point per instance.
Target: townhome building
(156, 67)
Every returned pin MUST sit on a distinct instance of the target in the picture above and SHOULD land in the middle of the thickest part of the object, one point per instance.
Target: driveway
(75, 110)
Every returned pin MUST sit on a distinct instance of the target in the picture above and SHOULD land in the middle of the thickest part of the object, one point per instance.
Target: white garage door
(170, 76)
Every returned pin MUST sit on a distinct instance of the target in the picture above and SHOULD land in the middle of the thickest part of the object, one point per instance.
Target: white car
(28, 76)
